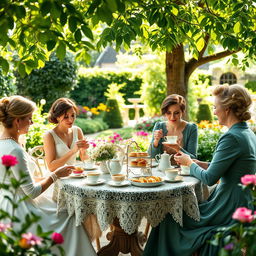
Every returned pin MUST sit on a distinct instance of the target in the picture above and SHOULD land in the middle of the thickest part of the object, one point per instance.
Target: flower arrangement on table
(239, 239)
(103, 152)
(18, 241)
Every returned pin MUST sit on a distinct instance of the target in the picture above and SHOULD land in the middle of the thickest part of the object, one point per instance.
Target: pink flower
(113, 141)
(4, 227)
(243, 215)
(32, 239)
(9, 160)
(57, 238)
(248, 179)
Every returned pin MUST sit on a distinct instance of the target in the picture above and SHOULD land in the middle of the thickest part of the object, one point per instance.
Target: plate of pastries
(140, 162)
(146, 181)
(138, 154)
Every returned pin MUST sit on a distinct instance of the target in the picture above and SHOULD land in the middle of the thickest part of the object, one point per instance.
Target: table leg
(122, 242)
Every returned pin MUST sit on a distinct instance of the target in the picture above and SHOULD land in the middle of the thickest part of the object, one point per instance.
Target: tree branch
(206, 40)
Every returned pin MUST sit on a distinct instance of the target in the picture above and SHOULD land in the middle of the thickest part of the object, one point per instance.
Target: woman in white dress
(16, 117)
(64, 141)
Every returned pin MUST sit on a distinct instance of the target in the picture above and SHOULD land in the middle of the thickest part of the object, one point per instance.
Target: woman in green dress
(235, 156)
(173, 108)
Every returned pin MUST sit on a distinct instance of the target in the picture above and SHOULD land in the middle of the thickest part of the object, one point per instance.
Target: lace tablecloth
(129, 204)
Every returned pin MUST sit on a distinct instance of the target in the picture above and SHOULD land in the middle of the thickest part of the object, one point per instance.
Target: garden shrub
(251, 85)
(7, 86)
(148, 125)
(91, 125)
(92, 85)
(56, 79)
(113, 116)
(204, 113)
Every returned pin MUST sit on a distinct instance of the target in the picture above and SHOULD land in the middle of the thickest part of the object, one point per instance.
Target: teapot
(114, 166)
(164, 161)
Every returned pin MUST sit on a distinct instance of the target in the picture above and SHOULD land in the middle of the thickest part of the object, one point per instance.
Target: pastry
(133, 154)
(134, 163)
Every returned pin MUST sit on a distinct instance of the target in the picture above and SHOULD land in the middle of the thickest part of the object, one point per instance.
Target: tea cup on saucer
(88, 164)
(185, 169)
(118, 178)
(171, 139)
(93, 177)
(171, 173)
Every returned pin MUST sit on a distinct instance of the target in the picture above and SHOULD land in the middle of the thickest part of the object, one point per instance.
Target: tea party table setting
(122, 202)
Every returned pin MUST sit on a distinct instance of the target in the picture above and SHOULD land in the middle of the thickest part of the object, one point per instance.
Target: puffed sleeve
(227, 151)
(29, 188)
(192, 141)
(152, 150)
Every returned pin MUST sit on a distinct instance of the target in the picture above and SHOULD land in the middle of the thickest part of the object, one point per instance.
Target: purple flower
(229, 247)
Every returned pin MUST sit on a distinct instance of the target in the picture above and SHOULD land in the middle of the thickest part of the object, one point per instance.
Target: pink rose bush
(243, 215)
(248, 180)
(16, 241)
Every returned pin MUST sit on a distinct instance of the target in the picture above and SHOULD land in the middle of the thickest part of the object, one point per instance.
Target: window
(228, 78)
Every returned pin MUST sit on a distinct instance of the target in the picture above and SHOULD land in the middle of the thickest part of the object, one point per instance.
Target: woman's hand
(80, 145)
(183, 159)
(158, 134)
(64, 171)
(204, 165)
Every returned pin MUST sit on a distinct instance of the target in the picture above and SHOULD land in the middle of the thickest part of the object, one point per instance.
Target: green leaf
(200, 44)
(61, 50)
(4, 64)
(56, 10)
(20, 11)
(22, 70)
(87, 32)
(50, 44)
(63, 18)
(45, 8)
(175, 11)
(78, 35)
(112, 5)
(237, 27)
(105, 15)
(72, 23)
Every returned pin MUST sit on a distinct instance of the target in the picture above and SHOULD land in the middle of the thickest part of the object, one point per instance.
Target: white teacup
(118, 178)
(88, 164)
(185, 169)
(171, 173)
(93, 177)
(171, 139)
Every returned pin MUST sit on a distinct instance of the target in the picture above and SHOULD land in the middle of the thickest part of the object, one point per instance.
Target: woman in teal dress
(173, 108)
(234, 156)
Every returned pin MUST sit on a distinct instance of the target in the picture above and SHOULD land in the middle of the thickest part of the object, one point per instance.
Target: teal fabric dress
(190, 136)
(234, 156)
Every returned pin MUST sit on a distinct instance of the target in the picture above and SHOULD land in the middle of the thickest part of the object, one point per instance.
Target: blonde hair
(14, 107)
(235, 97)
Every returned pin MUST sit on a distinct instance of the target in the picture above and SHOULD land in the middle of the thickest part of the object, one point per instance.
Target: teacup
(185, 169)
(171, 139)
(93, 176)
(88, 164)
(118, 178)
(171, 173)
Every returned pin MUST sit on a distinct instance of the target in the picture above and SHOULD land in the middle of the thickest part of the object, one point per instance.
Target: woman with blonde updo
(173, 109)
(234, 157)
(16, 118)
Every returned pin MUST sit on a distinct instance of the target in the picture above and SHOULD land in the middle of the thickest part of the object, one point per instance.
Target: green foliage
(91, 86)
(125, 133)
(91, 125)
(207, 141)
(113, 116)
(148, 125)
(198, 89)
(251, 85)
(204, 113)
(38, 129)
(56, 79)
(7, 87)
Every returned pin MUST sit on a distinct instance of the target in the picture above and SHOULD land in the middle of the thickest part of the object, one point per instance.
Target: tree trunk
(175, 72)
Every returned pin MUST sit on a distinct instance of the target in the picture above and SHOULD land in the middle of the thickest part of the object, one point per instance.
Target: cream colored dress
(76, 241)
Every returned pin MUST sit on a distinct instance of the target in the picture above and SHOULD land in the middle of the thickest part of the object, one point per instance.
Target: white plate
(124, 183)
(177, 179)
(154, 164)
(92, 168)
(168, 143)
(150, 184)
(77, 176)
(100, 181)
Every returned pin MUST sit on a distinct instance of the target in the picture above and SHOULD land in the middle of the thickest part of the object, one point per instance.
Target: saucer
(122, 184)
(100, 181)
(76, 176)
(184, 174)
(169, 143)
(92, 168)
(177, 179)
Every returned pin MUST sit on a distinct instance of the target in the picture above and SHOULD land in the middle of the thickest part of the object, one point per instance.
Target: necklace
(9, 138)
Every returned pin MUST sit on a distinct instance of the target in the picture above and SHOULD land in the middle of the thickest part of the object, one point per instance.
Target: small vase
(104, 167)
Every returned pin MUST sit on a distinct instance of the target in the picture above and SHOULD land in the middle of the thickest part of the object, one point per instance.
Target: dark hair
(15, 107)
(173, 99)
(59, 108)
(235, 97)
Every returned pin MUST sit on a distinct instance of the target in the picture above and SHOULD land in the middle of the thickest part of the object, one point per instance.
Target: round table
(126, 206)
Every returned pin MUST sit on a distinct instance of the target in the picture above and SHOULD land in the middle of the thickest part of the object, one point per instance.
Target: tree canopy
(32, 29)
